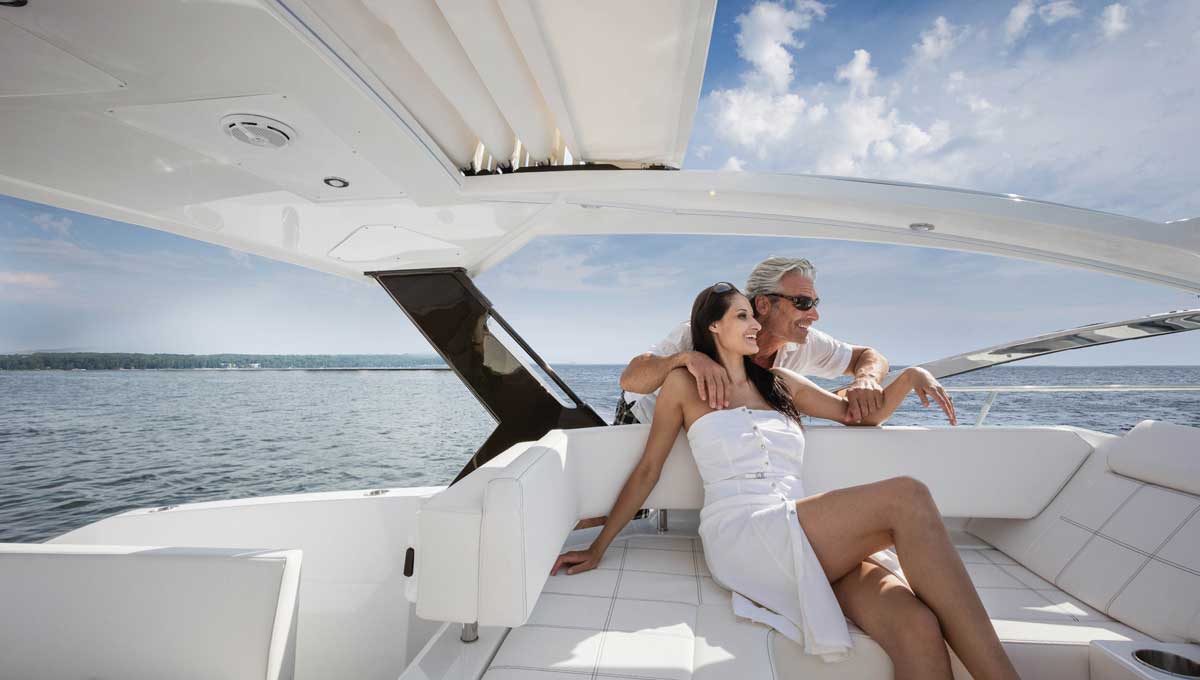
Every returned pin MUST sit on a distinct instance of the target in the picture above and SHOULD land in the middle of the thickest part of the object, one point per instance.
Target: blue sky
(1086, 103)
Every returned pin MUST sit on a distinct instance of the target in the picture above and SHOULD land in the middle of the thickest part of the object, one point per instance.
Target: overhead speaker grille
(260, 131)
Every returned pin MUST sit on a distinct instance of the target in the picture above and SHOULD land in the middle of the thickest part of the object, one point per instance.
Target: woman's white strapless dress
(750, 461)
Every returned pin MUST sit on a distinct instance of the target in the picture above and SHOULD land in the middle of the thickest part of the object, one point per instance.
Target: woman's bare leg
(887, 610)
(847, 525)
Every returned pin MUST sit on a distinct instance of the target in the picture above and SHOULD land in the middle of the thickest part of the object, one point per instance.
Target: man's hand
(712, 380)
(864, 395)
(927, 387)
(577, 561)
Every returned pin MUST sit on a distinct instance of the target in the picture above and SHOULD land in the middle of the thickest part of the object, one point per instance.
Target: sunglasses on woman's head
(721, 287)
(801, 302)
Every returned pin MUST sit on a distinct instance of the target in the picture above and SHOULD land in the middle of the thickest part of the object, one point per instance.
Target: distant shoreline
(237, 370)
(115, 361)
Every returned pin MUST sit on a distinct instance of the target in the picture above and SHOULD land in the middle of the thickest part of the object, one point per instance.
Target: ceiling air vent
(266, 133)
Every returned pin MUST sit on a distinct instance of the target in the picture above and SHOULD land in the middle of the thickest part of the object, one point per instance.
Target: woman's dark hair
(710, 305)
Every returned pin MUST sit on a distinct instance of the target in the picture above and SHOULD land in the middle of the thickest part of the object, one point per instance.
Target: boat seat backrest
(88, 611)
(1124, 534)
(486, 544)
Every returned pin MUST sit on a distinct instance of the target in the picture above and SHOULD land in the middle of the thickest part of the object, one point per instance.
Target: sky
(1086, 103)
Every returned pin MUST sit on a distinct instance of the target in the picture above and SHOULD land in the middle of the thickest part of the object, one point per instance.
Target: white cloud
(1114, 20)
(990, 119)
(28, 280)
(751, 117)
(938, 41)
(734, 164)
(1057, 10)
(1017, 23)
(766, 34)
(858, 73)
(977, 104)
(52, 224)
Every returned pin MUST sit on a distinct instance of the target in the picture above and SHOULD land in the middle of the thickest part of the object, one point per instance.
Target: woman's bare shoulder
(680, 386)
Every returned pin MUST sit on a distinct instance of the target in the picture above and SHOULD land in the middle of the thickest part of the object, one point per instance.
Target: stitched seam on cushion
(610, 674)
(663, 571)
(771, 652)
(1052, 602)
(611, 606)
(670, 550)
(1176, 565)
(487, 493)
(1094, 532)
(984, 553)
(1121, 543)
(681, 636)
(629, 599)
(525, 610)
(1002, 567)
(1150, 559)
(479, 554)
(518, 479)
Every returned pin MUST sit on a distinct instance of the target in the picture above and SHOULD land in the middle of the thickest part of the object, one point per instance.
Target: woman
(795, 563)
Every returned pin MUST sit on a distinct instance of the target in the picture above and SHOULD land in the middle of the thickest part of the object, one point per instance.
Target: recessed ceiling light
(712, 192)
(336, 182)
(921, 226)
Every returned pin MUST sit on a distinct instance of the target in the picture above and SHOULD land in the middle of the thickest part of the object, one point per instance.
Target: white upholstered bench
(651, 611)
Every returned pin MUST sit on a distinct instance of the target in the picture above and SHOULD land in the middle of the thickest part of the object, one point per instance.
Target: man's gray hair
(764, 280)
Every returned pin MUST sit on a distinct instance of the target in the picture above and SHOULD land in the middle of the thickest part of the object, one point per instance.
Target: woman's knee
(909, 493)
(916, 630)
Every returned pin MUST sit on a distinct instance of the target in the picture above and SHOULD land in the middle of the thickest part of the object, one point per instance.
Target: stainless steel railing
(993, 392)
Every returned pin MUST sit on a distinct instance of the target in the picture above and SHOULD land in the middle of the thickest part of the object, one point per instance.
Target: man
(783, 294)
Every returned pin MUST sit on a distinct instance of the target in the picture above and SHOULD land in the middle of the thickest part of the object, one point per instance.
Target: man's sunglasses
(801, 302)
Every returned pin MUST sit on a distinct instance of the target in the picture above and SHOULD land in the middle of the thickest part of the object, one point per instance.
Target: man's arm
(865, 394)
(647, 372)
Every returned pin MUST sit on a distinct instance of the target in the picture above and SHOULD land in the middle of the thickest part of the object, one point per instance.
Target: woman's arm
(813, 400)
(668, 420)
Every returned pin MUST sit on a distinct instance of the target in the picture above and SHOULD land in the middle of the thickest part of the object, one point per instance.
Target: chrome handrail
(992, 392)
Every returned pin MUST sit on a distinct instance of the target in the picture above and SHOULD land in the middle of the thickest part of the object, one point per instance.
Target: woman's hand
(576, 561)
(927, 387)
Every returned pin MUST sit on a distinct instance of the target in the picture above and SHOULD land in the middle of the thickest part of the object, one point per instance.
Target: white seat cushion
(74, 611)
(1125, 546)
(651, 611)
(513, 513)
(1160, 453)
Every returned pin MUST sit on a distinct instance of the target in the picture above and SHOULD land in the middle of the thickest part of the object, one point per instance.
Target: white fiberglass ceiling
(384, 110)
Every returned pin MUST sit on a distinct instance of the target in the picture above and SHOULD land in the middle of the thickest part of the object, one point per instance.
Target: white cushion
(76, 611)
(984, 472)
(486, 544)
(971, 472)
(651, 611)
(1160, 453)
(1125, 547)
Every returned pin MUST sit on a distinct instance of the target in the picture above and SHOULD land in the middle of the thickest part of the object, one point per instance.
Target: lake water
(79, 446)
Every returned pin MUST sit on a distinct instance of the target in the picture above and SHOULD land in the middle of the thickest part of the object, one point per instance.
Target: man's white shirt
(820, 355)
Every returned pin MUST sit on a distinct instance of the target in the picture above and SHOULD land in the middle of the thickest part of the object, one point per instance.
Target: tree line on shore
(119, 360)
